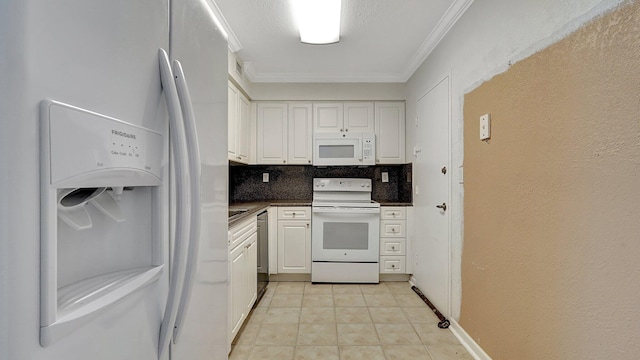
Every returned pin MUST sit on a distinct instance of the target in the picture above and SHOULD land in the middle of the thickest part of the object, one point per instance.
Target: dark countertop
(391, 203)
(254, 207)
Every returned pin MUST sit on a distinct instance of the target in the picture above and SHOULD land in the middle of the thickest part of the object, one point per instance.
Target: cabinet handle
(309, 161)
(341, 130)
(284, 161)
(239, 157)
(393, 265)
(307, 225)
(393, 248)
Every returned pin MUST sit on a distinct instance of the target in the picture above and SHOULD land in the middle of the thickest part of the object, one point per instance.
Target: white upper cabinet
(300, 147)
(343, 117)
(239, 122)
(272, 133)
(328, 117)
(232, 122)
(390, 132)
(284, 133)
(285, 129)
(244, 128)
(358, 116)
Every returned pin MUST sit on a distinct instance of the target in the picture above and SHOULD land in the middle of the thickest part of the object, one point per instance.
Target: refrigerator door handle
(193, 153)
(178, 143)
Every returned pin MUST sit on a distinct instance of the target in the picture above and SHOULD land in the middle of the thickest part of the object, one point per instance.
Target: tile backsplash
(294, 182)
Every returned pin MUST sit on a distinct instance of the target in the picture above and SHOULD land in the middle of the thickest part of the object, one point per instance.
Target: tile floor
(301, 321)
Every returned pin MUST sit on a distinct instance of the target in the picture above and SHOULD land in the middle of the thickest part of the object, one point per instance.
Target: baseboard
(467, 341)
(394, 277)
(290, 277)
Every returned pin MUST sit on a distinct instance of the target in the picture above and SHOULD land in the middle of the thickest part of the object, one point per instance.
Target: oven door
(345, 234)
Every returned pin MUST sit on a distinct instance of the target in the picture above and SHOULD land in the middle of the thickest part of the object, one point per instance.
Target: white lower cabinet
(393, 240)
(392, 264)
(294, 240)
(243, 259)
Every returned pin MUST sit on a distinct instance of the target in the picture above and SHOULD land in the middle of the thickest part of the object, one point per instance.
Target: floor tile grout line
(335, 323)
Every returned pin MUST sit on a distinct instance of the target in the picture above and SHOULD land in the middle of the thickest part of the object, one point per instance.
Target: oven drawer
(294, 213)
(392, 264)
(387, 212)
(393, 228)
(392, 246)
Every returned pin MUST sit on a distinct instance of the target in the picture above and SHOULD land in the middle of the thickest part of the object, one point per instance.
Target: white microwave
(356, 148)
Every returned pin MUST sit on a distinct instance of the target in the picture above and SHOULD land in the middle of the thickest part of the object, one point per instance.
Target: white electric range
(345, 238)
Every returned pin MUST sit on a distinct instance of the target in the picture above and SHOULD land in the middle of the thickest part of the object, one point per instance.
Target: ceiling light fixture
(318, 20)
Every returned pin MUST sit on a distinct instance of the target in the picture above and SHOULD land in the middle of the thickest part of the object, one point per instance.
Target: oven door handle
(346, 210)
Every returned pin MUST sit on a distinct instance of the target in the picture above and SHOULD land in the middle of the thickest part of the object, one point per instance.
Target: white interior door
(431, 189)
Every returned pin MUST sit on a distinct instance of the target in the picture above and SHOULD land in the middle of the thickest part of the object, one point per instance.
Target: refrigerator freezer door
(202, 49)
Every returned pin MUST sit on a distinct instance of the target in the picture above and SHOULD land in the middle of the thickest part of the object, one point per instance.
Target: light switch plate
(485, 127)
(385, 177)
(265, 177)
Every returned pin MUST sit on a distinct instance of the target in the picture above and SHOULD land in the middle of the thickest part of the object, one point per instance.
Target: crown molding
(234, 43)
(446, 22)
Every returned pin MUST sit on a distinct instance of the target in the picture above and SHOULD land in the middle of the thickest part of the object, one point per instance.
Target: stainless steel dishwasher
(263, 254)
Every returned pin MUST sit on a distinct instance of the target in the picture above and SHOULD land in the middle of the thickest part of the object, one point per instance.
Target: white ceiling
(380, 40)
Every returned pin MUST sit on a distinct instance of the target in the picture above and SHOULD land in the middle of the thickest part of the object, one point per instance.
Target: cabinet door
(232, 124)
(243, 128)
(294, 247)
(300, 133)
(358, 117)
(328, 117)
(238, 288)
(272, 133)
(251, 264)
(390, 133)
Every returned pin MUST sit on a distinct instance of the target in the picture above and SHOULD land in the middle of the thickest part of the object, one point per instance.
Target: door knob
(443, 207)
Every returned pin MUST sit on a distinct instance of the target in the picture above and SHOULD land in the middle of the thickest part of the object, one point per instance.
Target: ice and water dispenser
(103, 213)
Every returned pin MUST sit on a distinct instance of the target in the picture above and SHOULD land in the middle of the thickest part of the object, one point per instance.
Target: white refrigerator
(113, 205)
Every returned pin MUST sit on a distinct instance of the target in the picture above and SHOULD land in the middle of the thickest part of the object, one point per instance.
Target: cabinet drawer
(392, 246)
(297, 213)
(393, 228)
(240, 232)
(393, 212)
(392, 264)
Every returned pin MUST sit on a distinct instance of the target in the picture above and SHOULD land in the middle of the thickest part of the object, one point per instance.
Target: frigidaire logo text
(123, 134)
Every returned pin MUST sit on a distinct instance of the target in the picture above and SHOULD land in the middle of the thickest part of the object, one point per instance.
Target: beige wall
(551, 256)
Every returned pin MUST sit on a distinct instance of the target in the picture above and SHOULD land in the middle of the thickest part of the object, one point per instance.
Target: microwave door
(337, 152)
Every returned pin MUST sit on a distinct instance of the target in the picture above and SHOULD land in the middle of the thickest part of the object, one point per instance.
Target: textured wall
(551, 258)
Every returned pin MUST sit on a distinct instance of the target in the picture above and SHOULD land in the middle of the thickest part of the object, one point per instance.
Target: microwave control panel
(368, 148)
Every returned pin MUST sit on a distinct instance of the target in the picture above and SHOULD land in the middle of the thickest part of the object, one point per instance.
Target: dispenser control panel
(84, 144)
